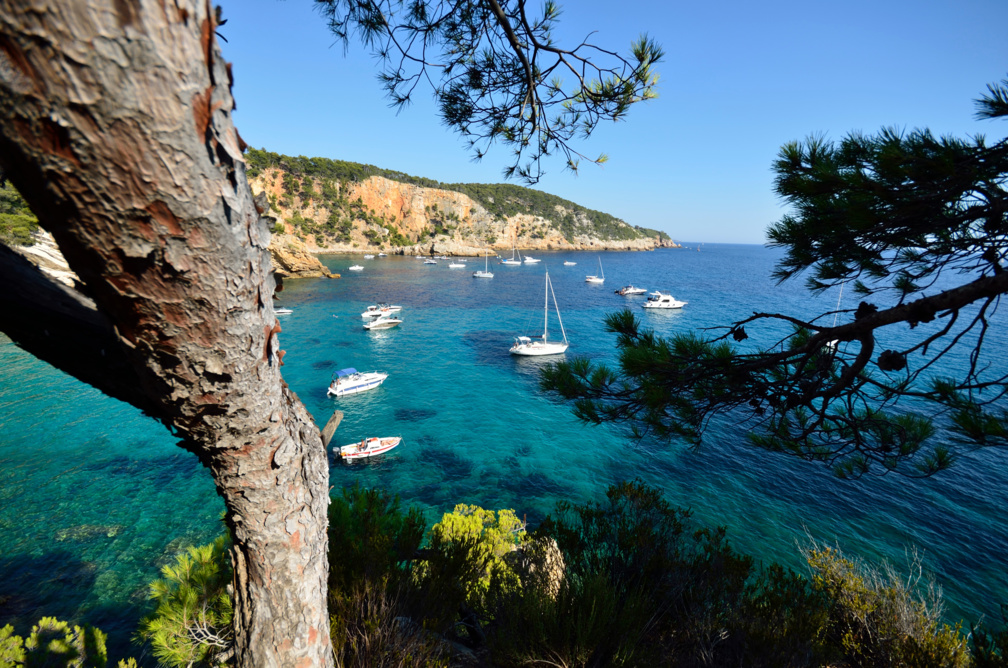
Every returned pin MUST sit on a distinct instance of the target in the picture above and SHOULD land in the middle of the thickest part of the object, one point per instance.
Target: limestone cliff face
(292, 259)
(410, 219)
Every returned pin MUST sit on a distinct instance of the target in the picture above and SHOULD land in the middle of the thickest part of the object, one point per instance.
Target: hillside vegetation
(341, 205)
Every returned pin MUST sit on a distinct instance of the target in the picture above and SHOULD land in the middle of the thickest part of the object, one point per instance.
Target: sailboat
(486, 271)
(597, 279)
(513, 262)
(525, 345)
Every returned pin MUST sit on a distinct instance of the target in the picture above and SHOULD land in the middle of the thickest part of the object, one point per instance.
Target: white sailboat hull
(539, 348)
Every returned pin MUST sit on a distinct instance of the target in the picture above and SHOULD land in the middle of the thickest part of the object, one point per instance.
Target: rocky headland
(335, 207)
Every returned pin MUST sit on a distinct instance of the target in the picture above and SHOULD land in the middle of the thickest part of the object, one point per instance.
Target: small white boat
(369, 447)
(541, 345)
(597, 279)
(378, 310)
(513, 262)
(486, 273)
(568, 263)
(369, 257)
(283, 311)
(530, 260)
(382, 254)
(663, 300)
(350, 381)
(384, 322)
(631, 290)
(457, 264)
(356, 267)
(430, 260)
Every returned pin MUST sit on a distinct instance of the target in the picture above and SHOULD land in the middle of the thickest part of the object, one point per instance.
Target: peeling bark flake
(202, 111)
(160, 212)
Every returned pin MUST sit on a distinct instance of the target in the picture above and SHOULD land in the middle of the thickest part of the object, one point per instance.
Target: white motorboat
(486, 273)
(379, 310)
(430, 260)
(663, 300)
(351, 381)
(513, 262)
(597, 279)
(369, 447)
(568, 263)
(530, 260)
(541, 345)
(384, 322)
(357, 267)
(631, 290)
(382, 254)
(282, 311)
(369, 257)
(457, 264)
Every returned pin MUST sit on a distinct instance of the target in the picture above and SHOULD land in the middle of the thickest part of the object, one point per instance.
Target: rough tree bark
(115, 124)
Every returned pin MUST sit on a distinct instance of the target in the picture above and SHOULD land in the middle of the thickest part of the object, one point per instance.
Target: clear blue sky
(739, 80)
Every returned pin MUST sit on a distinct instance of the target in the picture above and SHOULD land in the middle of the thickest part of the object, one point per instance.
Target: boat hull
(369, 447)
(535, 349)
(355, 386)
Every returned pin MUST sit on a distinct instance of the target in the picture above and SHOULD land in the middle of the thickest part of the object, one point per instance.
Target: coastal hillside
(339, 206)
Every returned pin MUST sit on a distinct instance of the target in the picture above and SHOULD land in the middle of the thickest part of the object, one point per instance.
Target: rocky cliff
(333, 215)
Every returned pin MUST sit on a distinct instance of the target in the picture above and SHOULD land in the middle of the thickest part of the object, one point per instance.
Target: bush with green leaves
(17, 222)
(485, 538)
(192, 623)
(53, 643)
(371, 539)
(878, 617)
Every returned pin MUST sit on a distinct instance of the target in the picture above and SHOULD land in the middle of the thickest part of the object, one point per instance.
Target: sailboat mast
(546, 308)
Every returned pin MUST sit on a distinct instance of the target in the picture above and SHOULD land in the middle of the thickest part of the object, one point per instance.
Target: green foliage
(877, 618)
(17, 222)
(191, 625)
(11, 648)
(484, 538)
(370, 538)
(54, 644)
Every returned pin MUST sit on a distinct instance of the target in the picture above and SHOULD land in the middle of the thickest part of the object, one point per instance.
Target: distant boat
(350, 381)
(597, 279)
(378, 310)
(663, 300)
(382, 254)
(486, 269)
(630, 290)
(457, 264)
(525, 345)
(568, 263)
(369, 257)
(513, 262)
(384, 322)
(430, 260)
(530, 260)
(357, 267)
(283, 311)
(369, 447)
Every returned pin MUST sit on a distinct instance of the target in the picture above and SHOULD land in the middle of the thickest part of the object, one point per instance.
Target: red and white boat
(369, 447)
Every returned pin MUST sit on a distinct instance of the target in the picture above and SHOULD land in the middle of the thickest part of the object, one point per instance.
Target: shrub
(56, 644)
(371, 539)
(878, 618)
(191, 625)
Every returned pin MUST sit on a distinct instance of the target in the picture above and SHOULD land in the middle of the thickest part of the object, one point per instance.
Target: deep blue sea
(96, 497)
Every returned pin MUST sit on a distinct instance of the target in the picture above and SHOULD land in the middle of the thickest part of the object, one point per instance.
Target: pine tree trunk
(115, 124)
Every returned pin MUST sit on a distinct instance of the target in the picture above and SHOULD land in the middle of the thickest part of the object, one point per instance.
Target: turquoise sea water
(96, 497)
